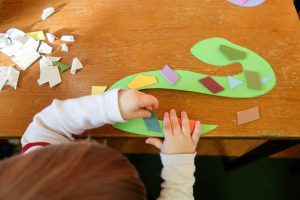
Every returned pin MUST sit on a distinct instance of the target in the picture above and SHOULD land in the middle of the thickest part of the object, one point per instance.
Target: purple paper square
(169, 74)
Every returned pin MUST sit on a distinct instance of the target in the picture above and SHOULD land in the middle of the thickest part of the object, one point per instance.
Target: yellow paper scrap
(142, 81)
(98, 90)
(37, 35)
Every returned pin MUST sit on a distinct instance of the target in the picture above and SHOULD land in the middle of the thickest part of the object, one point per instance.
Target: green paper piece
(232, 53)
(138, 126)
(63, 67)
(208, 52)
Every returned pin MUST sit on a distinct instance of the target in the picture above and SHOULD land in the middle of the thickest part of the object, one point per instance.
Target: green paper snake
(207, 51)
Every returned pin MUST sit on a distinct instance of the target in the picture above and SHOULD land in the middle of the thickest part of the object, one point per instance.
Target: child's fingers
(155, 142)
(174, 122)
(167, 125)
(197, 132)
(149, 107)
(142, 113)
(185, 124)
(146, 100)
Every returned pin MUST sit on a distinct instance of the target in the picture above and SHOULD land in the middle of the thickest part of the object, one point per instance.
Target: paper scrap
(3, 42)
(98, 90)
(265, 79)
(53, 76)
(64, 47)
(47, 12)
(37, 35)
(44, 48)
(67, 38)
(242, 1)
(248, 115)
(232, 53)
(31, 44)
(3, 76)
(253, 80)
(63, 67)
(76, 64)
(142, 81)
(13, 77)
(192, 124)
(170, 74)
(26, 59)
(53, 58)
(13, 32)
(42, 81)
(211, 84)
(234, 82)
(11, 49)
(45, 63)
(3, 80)
(19, 39)
(50, 37)
(152, 123)
(9, 76)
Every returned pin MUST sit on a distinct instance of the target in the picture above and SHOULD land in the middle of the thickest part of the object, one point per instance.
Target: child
(79, 170)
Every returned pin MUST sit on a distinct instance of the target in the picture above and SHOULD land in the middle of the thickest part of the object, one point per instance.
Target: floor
(205, 147)
(272, 178)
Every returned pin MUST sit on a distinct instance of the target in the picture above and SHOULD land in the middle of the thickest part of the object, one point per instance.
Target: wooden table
(117, 38)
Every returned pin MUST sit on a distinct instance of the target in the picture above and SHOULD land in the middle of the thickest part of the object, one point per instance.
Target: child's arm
(177, 155)
(62, 119)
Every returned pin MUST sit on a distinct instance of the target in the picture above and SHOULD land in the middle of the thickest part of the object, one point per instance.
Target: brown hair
(70, 171)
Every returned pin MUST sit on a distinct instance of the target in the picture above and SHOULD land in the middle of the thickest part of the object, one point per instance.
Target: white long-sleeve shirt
(57, 124)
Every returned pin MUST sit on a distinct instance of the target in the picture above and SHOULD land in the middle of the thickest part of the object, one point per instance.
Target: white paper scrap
(67, 38)
(31, 44)
(11, 49)
(3, 42)
(3, 35)
(13, 32)
(47, 12)
(53, 76)
(76, 64)
(3, 76)
(26, 59)
(3, 80)
(44, 48)
(19, 39)
(13, 77)
(50, 37)
(9, 76)
(53, 58)
(45, 63)
(64, 47)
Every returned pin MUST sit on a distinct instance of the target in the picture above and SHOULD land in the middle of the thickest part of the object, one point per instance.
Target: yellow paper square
(37, 35)
(98, 90)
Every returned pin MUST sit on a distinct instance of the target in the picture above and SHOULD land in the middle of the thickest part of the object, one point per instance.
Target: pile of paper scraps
(24, 49)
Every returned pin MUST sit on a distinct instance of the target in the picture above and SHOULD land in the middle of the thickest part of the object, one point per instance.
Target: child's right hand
(134, 104)
(177, 140)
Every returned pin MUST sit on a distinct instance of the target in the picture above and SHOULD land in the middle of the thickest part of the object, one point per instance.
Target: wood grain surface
(117, 38)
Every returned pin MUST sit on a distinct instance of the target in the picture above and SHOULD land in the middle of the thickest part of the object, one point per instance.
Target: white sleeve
(178, 175)
(62, 119)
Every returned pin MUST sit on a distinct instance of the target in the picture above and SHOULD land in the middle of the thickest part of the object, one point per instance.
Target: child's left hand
(178, 140)
(135, 104)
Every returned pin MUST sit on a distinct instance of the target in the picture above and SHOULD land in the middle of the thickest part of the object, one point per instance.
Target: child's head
(70, 171)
